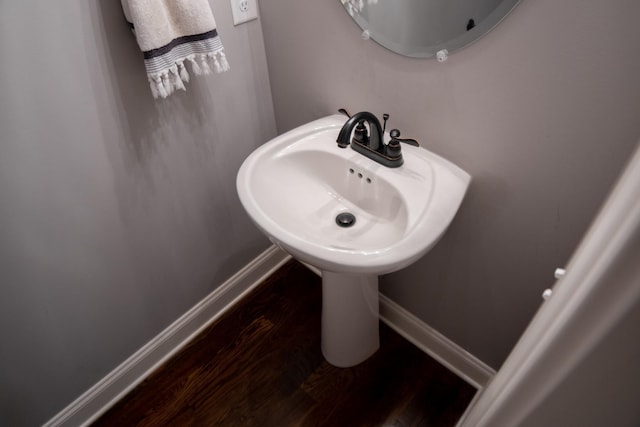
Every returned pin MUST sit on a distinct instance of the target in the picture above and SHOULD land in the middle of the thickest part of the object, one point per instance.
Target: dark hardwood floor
(261, 365)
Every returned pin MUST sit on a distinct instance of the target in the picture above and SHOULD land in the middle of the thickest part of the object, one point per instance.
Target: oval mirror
(421, 28)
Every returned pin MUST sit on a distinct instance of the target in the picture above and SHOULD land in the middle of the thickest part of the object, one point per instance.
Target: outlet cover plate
(244, 11)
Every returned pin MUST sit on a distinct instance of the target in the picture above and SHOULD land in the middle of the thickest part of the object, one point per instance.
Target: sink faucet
(375, 134)
(370, 144)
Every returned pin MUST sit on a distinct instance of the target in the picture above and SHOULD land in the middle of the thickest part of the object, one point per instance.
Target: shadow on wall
(142, 118)
(123, 66)
(157, 148)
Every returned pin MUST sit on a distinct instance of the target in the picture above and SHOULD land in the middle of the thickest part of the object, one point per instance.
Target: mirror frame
(463, 40)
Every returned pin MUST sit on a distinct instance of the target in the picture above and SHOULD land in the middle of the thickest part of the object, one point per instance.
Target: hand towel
(170, 32)
(355, 7)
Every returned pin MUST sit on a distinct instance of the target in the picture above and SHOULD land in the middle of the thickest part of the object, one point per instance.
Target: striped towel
(170, 32)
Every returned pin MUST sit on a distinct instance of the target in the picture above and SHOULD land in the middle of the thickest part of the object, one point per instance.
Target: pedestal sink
(350, 217)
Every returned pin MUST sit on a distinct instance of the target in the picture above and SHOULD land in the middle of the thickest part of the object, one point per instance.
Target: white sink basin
(294, 187)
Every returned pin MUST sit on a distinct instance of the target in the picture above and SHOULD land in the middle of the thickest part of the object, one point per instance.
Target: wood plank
(261, 365)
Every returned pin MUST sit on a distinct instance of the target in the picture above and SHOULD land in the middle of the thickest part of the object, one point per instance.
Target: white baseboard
(99, 398)
(432, 342)
(436, 345)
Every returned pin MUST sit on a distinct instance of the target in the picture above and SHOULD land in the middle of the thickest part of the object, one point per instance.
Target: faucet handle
(395, 133)
(345, 112)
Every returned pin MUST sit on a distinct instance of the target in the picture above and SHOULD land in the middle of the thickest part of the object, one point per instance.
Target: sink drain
(345, 219)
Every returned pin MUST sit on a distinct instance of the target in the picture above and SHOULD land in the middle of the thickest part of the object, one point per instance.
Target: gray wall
(543, 113)
(117, 213)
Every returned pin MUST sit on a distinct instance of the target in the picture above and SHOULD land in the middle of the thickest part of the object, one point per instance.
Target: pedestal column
(350, 316)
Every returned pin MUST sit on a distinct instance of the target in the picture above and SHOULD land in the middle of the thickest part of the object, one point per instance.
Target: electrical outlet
(244, 11)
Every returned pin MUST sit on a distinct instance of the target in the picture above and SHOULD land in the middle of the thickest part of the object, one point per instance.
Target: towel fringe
(173, 78)
(166, 82)
(220, 64)
(194, 65)
(154, 87)
(184, 74)
(224, 64)
(176, 79)
(216, 64)
(162, 91)
(204, 64)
